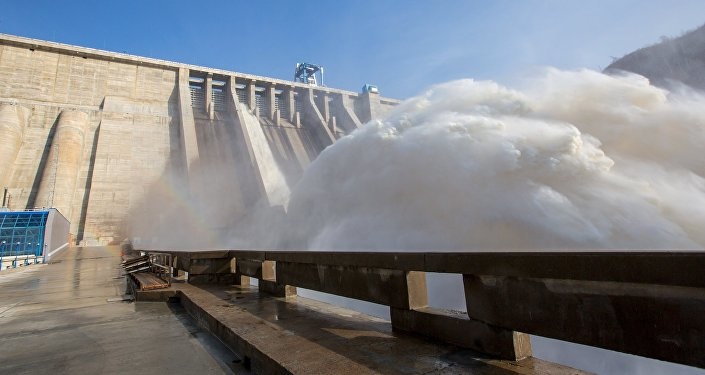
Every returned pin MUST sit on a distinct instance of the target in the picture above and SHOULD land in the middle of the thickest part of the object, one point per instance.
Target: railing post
(416, 289)
(174, 266)
(506, 343)
(240, 279)
(207, 267)
(455, 327)
(268, 282)
(416, 297)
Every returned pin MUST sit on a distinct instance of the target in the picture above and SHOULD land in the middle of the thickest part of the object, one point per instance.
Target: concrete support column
(271, 99)
(289, 97)
(455, 328)
(11, 131)
(189, 144)
(323, 105)
(232, 92)
(207, 268)
(343, 110)
(509, 343)
(240, 279)
(627, 317)
(60, 174)
(268, 283)
(265, 272)
(370, 106)
(333, 126)
(416, 289)
(251, 99)
(314, 120)
(174, 266)
(208, 89)
(383, 286)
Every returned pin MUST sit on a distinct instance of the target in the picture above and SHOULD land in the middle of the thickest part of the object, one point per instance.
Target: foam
(574, 160)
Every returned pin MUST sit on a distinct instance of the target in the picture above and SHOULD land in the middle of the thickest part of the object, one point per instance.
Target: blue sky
(401, 46)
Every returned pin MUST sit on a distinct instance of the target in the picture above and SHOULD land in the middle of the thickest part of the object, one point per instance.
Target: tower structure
(306, 73)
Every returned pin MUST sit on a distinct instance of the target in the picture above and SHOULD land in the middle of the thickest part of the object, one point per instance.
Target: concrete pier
(11, 129)
(60, 173)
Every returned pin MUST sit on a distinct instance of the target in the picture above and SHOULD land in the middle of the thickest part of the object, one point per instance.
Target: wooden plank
(149, 281)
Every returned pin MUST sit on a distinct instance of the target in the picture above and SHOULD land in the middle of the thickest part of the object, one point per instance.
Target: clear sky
(401, 46)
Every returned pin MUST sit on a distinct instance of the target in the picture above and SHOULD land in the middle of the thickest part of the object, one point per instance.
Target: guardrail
(12, 261)
(645, 303)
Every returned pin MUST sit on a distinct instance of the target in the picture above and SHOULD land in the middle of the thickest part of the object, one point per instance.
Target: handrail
(676, 267)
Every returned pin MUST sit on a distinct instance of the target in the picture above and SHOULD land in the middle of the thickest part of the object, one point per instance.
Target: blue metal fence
(22, 234)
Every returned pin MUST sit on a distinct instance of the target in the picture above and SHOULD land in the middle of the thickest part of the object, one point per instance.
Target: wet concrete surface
(310, 337)
(68, 317)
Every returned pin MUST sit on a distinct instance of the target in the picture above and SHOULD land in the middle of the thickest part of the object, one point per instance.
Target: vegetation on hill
(680, 59)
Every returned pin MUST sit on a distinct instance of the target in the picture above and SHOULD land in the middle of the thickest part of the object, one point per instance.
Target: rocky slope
(679, 59)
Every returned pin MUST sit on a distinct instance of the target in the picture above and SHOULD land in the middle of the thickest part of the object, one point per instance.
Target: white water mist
(577, 160)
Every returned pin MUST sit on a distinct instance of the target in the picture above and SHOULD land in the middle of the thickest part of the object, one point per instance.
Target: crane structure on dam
(306, 73)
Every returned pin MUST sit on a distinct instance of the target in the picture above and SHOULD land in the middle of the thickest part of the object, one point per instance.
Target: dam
(94, 133)
(108, 139)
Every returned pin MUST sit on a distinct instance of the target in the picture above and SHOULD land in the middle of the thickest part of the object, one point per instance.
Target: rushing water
(578, 160)
(575, 160)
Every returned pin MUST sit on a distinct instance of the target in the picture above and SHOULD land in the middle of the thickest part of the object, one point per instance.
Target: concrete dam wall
(95, 134)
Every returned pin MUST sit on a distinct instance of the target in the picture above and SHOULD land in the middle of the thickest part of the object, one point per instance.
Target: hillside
(678, 59)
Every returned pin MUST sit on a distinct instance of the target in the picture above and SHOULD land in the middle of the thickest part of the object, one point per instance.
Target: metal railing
(159, 264)
(11, 261)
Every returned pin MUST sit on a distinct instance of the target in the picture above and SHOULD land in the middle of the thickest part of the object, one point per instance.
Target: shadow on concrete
(89, 181)
(228, 360)
(32, 199)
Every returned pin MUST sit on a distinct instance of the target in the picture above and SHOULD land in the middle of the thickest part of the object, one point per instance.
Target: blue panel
(22, 232)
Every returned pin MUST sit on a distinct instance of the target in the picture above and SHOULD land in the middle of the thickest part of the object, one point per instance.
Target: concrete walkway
(68, 318)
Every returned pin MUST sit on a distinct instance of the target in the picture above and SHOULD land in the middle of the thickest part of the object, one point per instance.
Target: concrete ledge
(211, 262)
(655, 321)
(276, 290)
(643, 303)
(161, 295)
(213, 278)
(260, 363)
(682, 268)
(399, 261)
(678, 268)
(383, 286)
(456, 328)
(247, 254)
(300, 336)
(247, 267)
